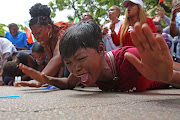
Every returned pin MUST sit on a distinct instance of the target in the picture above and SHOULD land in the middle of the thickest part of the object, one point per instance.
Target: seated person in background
(86, 16)
(39, 55)
(161, 15)
(167, 37)
(6, 48)
(18, 38)
(134, 13)
(10, 69)
(82, 50)
(175, 26)
(175, 20)
(113, 13)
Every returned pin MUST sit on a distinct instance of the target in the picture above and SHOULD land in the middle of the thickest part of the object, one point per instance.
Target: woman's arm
(55, 63)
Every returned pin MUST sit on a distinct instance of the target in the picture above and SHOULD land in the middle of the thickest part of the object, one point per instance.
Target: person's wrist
(173, 18)
(173, 22)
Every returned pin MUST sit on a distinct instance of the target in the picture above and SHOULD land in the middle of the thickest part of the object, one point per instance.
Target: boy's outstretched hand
(156, 62)
(36, 75)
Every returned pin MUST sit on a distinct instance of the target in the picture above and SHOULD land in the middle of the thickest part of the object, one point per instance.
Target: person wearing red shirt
(84, 56)
(134, 13)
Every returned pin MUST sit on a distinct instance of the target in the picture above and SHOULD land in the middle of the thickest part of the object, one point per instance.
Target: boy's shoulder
(119, 53)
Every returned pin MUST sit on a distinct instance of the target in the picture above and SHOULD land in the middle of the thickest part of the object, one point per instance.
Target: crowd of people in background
(108, 56)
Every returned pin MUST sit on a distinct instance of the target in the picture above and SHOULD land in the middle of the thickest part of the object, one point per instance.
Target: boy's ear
(101, 48)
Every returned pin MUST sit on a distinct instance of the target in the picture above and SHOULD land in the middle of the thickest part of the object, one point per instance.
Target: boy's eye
(82, 58)
(68, 63)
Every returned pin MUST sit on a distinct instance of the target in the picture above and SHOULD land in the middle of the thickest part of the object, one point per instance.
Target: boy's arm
(62, 83)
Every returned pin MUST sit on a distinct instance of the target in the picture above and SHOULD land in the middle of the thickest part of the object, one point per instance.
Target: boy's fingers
(162, 44)
(150, 38)
(136, 42)
(142, 36)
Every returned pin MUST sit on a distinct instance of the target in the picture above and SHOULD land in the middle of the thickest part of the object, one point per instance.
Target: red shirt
(129, 78)
(127, 41)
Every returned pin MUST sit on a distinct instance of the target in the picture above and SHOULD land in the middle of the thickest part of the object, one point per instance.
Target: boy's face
(40, 57)
(14, 30)
(86, 65)
(159, 29)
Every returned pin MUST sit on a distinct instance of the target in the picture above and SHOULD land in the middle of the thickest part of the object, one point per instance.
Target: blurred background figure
(40, 56)
(18, 38)
(6, 48)
(113, 14)
(134, 13)
(167, 37)
(11, 70)
(86, 16)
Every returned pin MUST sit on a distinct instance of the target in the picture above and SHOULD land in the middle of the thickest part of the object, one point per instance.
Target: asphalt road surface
(87, 104)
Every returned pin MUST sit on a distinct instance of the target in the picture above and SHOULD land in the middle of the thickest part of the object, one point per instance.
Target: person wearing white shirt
(113, 13)
(6, 48)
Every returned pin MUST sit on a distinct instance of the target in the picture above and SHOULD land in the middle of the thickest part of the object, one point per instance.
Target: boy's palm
(156, 62)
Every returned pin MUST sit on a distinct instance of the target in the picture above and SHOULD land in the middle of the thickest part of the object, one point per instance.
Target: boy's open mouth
(84, 78)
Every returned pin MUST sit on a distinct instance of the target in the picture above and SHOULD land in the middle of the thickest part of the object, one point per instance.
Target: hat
(139, 2)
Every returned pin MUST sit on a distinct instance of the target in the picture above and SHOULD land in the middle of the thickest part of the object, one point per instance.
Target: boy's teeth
(84, 77)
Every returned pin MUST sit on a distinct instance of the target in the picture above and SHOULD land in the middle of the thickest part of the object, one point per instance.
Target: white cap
(139, 2)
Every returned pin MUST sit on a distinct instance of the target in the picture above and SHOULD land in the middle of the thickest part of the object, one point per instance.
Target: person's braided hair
(40, 14)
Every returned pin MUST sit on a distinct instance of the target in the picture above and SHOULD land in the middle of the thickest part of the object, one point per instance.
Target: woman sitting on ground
(134, 13)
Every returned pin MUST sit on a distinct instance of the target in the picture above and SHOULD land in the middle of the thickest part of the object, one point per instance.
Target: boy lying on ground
(82, 50)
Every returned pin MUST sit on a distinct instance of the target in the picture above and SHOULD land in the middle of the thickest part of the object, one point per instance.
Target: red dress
(127, 41)
(129, 78)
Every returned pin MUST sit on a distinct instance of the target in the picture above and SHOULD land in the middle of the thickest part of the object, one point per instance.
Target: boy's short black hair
(37, 48)
(10, 69)
(84, 34)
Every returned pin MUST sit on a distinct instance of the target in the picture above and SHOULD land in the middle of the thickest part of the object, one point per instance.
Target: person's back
(5, 47)
(10, 69)
(18, 38)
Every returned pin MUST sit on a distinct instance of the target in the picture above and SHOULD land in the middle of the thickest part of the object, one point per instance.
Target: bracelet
(173, 22)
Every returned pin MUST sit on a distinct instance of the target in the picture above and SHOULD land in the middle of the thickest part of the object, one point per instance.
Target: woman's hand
(112, 26)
